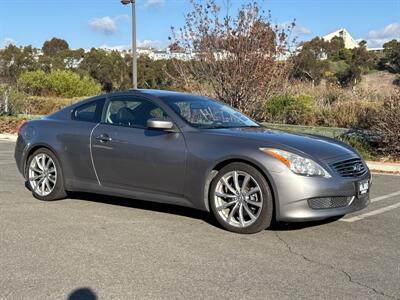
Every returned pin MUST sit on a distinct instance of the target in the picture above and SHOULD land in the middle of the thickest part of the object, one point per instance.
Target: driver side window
(132, 112)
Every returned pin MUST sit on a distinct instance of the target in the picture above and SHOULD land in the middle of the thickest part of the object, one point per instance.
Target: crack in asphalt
(348, 275)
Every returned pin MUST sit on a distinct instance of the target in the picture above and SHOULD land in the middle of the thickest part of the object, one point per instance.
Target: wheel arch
(219, 165)
(32, 150)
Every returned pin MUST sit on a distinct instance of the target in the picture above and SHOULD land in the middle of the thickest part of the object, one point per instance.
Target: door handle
(104, 138)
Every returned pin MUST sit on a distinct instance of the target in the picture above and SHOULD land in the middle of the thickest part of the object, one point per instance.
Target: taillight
(21, 126)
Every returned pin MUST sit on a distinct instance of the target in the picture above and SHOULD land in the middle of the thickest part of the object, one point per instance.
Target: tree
(334, 46)
(350, 76)
(310, 63)
(155, 74)
(175, 47)
(391, 56)
(15, 60)
(54, 46)
(108, 68)
(56, 55)
(236, 56)
(359, 61)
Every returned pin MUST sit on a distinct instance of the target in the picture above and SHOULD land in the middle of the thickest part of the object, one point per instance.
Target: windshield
(202, 112)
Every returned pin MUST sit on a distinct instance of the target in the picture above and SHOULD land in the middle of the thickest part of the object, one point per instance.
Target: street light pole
(134, 54)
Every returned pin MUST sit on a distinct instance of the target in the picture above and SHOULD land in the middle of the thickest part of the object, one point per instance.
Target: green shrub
(290, 109)
(69, 84)
(33, 82)
(61, 83)
(346, 114)
(360, 145)
(22, 103)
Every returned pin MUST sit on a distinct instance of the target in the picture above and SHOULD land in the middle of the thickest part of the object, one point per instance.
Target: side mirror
(160, 124)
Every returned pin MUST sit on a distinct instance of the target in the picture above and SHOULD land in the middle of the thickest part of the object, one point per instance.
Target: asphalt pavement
(91, 246)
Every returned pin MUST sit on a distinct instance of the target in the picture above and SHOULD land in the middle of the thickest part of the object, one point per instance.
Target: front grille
(329, 202)
(350, 168)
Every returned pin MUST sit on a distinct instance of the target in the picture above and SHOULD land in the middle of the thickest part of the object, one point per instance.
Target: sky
(107, 23)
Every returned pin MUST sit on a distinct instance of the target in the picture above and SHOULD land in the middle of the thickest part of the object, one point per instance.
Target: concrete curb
(8, 137)
(374, 166)
(384, 167)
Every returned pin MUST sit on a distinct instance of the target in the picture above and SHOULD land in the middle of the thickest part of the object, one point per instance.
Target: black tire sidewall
(265, 218)
(58, 191)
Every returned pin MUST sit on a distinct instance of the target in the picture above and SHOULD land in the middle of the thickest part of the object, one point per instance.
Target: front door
(127, 155)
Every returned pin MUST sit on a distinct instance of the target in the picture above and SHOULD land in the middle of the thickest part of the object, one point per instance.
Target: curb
(374, 166)
(384, 167)
(8, 137)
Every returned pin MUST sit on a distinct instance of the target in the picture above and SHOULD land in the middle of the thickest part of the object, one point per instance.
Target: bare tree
(237, 59)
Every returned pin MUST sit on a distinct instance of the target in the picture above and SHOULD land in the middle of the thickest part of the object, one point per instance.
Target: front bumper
(294, 193)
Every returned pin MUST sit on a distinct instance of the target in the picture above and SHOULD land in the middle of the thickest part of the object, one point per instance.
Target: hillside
(380, 82)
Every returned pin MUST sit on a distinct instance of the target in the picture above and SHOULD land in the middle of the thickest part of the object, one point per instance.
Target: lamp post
(134, 54)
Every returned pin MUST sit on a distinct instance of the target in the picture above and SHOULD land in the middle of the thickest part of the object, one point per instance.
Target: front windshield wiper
(248, 126)
(225, 127)
(216, 127)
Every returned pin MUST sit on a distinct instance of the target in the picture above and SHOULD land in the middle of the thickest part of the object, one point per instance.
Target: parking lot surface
(119, 248)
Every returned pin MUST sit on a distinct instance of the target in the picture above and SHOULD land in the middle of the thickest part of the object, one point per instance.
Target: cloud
(122, 18)
(8, 41)
(149, 43)
(154, 3)
(377, 37)
(106, 25)
(299, 30)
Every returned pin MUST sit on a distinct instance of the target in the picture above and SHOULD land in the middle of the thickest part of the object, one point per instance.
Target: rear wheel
(240, 199)
(44, 175)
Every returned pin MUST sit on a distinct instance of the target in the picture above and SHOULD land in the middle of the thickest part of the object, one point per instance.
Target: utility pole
(134, 53)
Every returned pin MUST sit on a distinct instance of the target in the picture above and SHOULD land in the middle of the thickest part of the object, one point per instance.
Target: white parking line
(385, 196)
(376, 211)
(371, 213)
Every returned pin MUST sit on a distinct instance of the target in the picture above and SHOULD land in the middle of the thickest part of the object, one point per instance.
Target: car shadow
(285, 226)
(82, 294)
(185, 211)
(146, 205)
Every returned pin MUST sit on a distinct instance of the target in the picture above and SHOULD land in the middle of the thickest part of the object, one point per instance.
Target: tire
(44, 183)
(256, 206)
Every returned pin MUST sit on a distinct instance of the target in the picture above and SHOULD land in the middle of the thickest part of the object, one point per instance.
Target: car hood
(319, 147)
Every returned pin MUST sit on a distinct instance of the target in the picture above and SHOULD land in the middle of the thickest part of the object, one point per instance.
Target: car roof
(160, 93)
(150, 92)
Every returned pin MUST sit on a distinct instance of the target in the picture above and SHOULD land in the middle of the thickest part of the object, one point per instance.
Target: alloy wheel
(238, 199)
(42, 174)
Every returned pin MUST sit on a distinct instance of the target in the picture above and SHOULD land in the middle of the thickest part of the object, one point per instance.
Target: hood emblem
(358, 167)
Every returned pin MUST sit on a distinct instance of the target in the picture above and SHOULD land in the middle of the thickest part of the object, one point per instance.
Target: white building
(349, 42)
(168, 54)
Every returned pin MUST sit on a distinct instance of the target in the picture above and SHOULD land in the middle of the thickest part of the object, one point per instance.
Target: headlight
(296, 163)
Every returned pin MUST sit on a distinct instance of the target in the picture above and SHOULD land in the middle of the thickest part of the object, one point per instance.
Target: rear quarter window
(89, 112)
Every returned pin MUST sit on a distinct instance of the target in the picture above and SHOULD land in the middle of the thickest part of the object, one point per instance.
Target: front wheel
(45, 178)
(240, 199)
